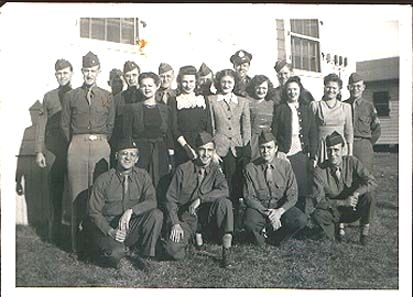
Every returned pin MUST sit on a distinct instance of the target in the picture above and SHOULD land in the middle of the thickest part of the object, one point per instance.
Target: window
(381, 101)
(305, 45)
(119, 30)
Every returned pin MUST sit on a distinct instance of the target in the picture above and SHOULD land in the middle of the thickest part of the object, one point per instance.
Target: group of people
(153, 170)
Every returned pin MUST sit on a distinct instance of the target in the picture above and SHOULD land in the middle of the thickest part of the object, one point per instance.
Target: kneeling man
(342, 191)
(122, 210)
(197, 198)
(270, 194)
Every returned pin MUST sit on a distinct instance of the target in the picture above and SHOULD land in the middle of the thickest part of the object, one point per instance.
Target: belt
(90, 137)
(362, 137)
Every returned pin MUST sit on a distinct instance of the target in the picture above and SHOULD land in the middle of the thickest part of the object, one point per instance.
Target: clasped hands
(177, 233)
(274, 216)
(119, 234)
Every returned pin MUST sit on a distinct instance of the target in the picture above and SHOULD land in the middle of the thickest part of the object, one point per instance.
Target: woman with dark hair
(149, 125)
(231, 127)
(261, 110)
(190, 115)
(297, 135)
(332, 115)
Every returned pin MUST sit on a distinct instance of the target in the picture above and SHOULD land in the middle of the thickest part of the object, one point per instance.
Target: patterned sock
(365, 228)
(341, 229)
(198, 239)
(227, 240)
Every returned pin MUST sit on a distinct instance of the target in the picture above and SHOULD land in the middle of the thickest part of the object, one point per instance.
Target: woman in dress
(297, 135)
(149, 125)
(190, 115)
(231, 126)
(332, 115)
(261, 110)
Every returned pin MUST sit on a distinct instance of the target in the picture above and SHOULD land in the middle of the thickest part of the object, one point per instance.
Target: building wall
(389, 124)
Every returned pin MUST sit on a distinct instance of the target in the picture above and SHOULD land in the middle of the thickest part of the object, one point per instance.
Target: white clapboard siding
(390, 125)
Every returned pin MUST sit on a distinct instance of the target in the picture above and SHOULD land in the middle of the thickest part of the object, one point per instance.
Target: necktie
(89, 95)
(269, 178)
(165, 97)
(201, 176)
(125, 185)
(337, 173)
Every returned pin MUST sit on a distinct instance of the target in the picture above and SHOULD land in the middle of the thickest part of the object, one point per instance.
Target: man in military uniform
(241, 61)
(366, 123)
(88, 116)
(115, 81)
(284, 71)
(122, 211)
(197, 201)
(167, 75)
(50, 138)
(342, 192)
(270, 194)
(131, 95)
(205, 81)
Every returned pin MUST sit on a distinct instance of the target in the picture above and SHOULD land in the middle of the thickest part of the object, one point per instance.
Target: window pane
(307, 27)
(98, 28)
(113, 30)
(84, 27)
(305, 54)
(127, 31)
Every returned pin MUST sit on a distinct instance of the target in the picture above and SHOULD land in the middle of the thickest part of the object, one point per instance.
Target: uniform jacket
(282, 129)
(78, 117)
(48, 131)
(107, 200)
(366, 122)
(183, 188)
(231, 124)
(169, 94)
(257, 194)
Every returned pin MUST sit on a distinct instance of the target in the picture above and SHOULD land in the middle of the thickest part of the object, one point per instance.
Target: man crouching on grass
(270, 194)
(122, 211)
(197, 201)
(342, 192)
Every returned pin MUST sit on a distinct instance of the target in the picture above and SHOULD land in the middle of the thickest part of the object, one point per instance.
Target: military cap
(240, 57)
(187, 70)
(354, 77)
(164, 67)
(280, 65)
(266, 137)
(62, 64)
(129, 66)
(204, 70)
(125, 143)
(90, 60)
(334, 139)
(203, 138)
(115, 73)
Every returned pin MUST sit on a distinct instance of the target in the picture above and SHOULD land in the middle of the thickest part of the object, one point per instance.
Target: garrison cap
(354, 77)
(240, 57)
(62, 64)
(90, 60)
(280, 65)
(164, 67)
(204, 70)
(266, 137)
(115, 73)
(187, 70)
(203, 138)
(129, 66)
(125, 143)
(334, 139)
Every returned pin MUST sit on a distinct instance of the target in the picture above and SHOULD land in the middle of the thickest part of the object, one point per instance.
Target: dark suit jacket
(282, 129)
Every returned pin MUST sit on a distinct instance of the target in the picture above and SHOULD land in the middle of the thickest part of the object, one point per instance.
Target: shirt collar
(120, 175)
(231, 97)
(197, 167)
(293, 104)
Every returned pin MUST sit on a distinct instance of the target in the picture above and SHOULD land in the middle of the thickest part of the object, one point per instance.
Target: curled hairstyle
(256, 81)
(152, 75)
(186, 70)
(297, 80)
(221, 74)
(334, 78)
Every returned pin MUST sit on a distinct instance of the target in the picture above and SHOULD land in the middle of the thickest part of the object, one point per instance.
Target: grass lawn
(299, 263)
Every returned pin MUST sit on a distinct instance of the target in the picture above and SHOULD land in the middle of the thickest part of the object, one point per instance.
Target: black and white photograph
(206, 146)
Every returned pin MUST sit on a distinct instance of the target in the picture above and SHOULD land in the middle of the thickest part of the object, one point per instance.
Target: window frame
(383, 108)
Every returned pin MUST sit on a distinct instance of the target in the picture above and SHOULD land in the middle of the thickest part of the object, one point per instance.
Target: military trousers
(212, 218)
(143, 234)
(363, 150)
(258, 225)
(328, 217)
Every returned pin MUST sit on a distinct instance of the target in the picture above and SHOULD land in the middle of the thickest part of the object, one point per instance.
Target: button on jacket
(183, 188)
(259, 195)
(366, 122)
(78, 117)
(107, 200)
(231, 123)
